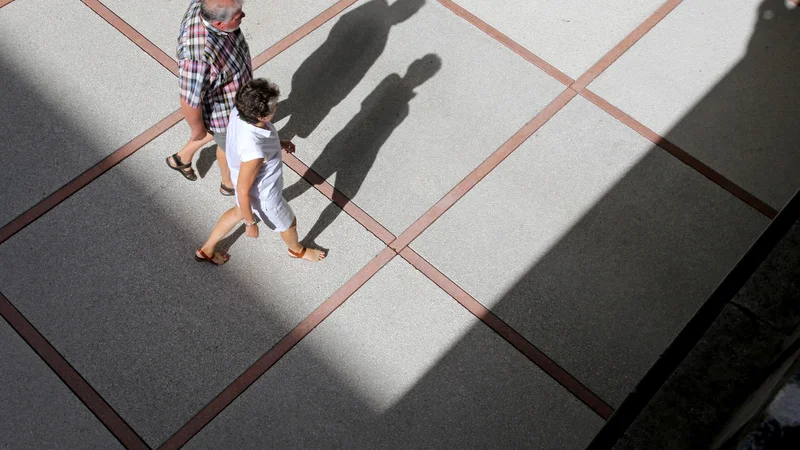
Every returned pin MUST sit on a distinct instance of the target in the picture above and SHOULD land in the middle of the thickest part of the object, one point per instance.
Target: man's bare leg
(192, 147)
(224, 225)
(290, 238)
(223, 168)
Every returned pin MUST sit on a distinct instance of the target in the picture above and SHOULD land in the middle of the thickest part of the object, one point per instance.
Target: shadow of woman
(327, 76)
(351, 153)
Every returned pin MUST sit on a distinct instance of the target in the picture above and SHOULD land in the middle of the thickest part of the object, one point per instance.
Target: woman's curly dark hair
(257, 98)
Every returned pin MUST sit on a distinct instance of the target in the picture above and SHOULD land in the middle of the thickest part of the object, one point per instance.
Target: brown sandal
(298, 255)
(174, 162)
(226, 191)
(202, 257)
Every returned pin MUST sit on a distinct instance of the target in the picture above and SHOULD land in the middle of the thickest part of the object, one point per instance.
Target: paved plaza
(523, 202)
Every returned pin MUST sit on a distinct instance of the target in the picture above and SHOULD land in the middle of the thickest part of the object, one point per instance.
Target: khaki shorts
(219, 138)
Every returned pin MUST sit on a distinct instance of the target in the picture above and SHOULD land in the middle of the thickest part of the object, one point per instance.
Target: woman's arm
(247, 176)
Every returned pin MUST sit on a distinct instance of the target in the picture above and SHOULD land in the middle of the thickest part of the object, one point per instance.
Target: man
(213, 62)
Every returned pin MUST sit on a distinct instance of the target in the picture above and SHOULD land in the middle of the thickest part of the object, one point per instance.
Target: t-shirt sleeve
(194, 78)
(249, 152)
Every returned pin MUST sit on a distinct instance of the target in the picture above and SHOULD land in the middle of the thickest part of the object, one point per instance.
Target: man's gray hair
(219, 10)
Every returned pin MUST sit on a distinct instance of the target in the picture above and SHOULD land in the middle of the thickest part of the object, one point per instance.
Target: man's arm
(194, 117)
(193, 77)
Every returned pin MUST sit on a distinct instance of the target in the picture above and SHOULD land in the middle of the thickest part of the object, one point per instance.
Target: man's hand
(287, 146)
(251, 230)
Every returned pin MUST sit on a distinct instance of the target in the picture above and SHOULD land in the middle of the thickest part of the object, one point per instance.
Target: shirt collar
(212, 28)
(263, 132)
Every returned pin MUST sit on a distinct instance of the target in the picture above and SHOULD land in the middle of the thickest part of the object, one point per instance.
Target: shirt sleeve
(194, 78)
(249, 152)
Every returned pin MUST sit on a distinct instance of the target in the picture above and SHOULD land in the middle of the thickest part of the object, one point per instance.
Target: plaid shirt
(212, 65)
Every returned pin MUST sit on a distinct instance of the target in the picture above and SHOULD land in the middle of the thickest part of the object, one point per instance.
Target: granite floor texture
(523, 203)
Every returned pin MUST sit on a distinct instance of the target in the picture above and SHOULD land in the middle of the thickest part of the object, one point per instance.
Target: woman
(253, 151)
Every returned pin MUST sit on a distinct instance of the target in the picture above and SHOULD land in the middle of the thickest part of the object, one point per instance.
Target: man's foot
(225, 190)
(217, 258)
(309, 254)
(174, 162)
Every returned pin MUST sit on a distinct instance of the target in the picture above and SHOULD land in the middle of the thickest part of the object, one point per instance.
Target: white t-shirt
(247, 142)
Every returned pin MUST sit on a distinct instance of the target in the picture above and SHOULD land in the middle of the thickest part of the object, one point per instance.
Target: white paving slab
(109, 277)
(593, 245)
(402, 365)
(571, 35)
(68, 97)
(396, 115)
(37, 410)
(721, 84)
(266, 21)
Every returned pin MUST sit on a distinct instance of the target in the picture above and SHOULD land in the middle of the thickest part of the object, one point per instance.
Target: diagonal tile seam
(683, 156)
(395, 244)
(137, 38)
(70, 377)
(81, 181)
(265, 362)
(454, 195)
(539, 358)
(598, 68)
(86, 393)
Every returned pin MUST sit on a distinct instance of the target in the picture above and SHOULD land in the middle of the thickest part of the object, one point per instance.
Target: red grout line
(590, 75)
(339, 198)
(254, 372)
(549, 366)
(301, 32)
(129, 32)
(87, 177)
(482, 170)
(614, 54)
(508, 42)
(82, 389)
(715, 177)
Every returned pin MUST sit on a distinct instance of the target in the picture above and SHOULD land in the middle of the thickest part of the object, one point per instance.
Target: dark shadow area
(110, 281)
(206, 159)
(328, 75)
(747, 127)
(351, 153)
(616, 289)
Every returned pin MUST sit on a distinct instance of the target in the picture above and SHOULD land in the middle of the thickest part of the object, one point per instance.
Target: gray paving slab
(37, 410)
(593, 245)
(571, 35)
(68, 98)
(723, 89)
(402, 365)
(266, 21)
(109, 277)
(396, 115)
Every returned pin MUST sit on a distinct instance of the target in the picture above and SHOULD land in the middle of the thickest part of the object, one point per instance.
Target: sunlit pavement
(523, 202)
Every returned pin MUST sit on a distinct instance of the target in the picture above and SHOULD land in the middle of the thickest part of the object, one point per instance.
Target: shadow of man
(747, 126)
(327, 76)
(351, 153)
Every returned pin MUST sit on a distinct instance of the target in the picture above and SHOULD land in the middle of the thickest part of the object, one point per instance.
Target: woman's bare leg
(224, 225)
(290, 238)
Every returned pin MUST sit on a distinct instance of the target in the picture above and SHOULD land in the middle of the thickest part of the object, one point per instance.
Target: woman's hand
(251, 230)
(288, 146)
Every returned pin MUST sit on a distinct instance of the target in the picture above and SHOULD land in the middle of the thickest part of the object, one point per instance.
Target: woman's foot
(309, 254)
(216, 258)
